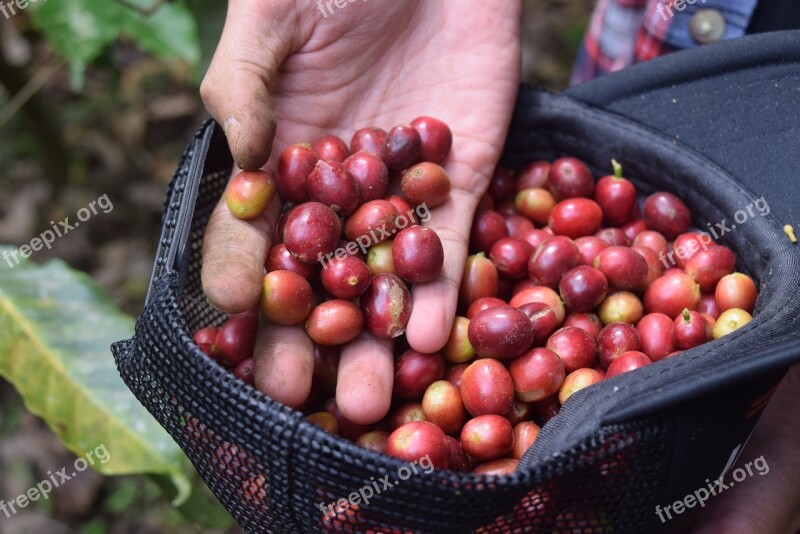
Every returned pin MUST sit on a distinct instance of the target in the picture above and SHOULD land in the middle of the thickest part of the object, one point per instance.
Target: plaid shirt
(624, 32)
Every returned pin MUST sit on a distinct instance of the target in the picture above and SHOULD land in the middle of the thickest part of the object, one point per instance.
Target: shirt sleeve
(624, 32)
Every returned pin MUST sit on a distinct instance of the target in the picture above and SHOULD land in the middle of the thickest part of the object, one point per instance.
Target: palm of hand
(382, 64)
(411, 73)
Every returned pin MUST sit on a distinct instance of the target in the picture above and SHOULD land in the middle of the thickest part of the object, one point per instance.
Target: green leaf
(169, 32)
(210, 16)
(80, 30)
(55, 332)
(202, 508)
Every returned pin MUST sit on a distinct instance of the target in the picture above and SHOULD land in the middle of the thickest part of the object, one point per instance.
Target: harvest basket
(616, 450)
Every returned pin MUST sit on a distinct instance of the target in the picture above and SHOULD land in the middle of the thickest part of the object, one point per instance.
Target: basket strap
(207, 153)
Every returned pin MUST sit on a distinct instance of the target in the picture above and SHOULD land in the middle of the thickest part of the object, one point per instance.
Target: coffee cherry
(616, 196)
(294, 166)
(569, 178)
(415, 371)
(615, 339)
(346, 277)
(479, 280)
(334, 322)
(458, 348)
(666, 213)
(736, 290)
(552, 260)
(624, 268)
(370, 174)
(487, 388)
(533, 175)
(583, 288)
(370, 140)
(426, 183)
(249, 194)
(575, 347)
(418, 254)
(536, 204)
(537, 374)
(488, 228)
(578, 380)
(285, 298)
(205, 338)
(487, 437)
(575, 217)
(436, 138)
(245, 371)
(380, 259)
(729, 321)
(331, 184)
(511, 256)
(502, 333)
(690, 329)
(501, 186)
(627, 361)
(312, 231)
(402, 147)
(280, 259)
(372, 222)
(331, 149)
(386, 306)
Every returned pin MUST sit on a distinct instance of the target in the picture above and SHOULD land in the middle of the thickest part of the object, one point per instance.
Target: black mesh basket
(616, 450)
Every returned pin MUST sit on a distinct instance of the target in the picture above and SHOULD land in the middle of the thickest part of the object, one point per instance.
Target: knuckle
(449, 235)
(207, 90)
(450, 280)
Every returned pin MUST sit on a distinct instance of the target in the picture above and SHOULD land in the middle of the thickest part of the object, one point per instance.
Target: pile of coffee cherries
(569, 282)
(345, 249)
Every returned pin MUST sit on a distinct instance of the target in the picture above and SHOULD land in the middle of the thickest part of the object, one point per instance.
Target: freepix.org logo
(9, 8)
(43, 488)
(46, 238)
(376, 235)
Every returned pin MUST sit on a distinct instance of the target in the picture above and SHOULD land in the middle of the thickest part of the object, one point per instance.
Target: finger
(434, 303)
(284, 363)
(235, 89)
(234, 252)
(366, 376)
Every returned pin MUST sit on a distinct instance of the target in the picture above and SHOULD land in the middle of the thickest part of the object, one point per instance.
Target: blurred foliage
(210, 17)
(100, 98)
(80, 30)
(551, 33)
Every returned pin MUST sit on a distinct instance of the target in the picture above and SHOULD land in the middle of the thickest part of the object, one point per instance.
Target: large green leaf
(81, 29)
(55, 331)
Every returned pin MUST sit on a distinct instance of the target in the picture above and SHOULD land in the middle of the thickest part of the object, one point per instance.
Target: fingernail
(232, 128)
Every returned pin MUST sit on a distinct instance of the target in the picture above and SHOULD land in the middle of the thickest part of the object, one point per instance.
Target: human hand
(371, 63)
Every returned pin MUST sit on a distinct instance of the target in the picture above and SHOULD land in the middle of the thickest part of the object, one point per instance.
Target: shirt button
(707, 26)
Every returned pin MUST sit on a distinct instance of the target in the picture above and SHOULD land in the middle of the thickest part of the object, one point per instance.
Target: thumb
(235, 90)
